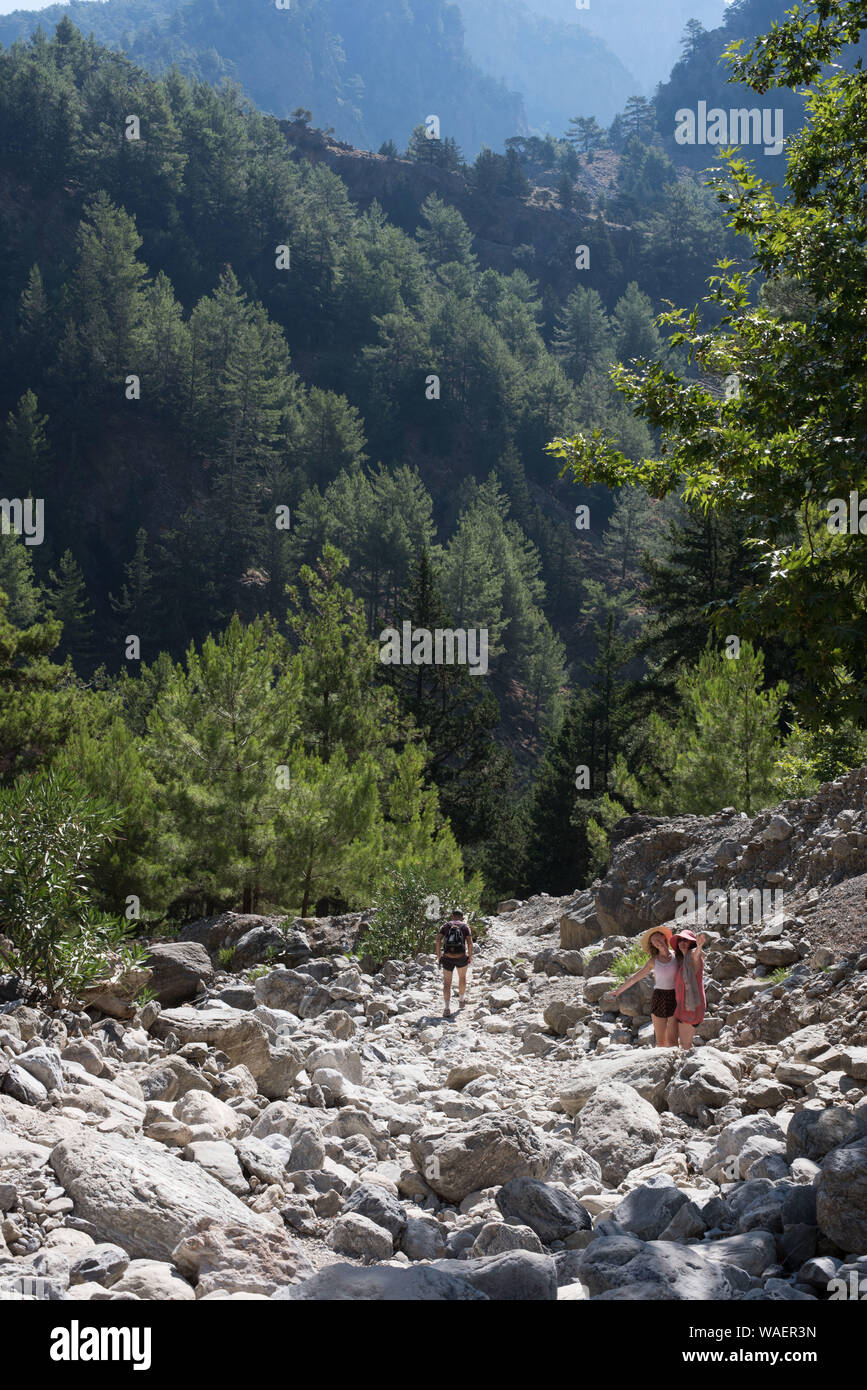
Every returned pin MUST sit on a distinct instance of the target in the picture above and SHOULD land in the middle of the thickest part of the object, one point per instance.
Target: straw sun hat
(652, 931)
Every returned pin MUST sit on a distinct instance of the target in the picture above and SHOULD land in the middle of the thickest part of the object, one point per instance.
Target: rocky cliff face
(534, 233)
(303, 1130)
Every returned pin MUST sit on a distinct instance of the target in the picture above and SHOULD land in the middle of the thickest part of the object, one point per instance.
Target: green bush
(50, 833)
(630, 961)
(411, 905)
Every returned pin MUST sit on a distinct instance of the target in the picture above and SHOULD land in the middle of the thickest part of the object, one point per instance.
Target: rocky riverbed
(306, 1130)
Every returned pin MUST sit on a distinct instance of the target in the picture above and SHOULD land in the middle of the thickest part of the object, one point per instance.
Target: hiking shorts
(663, 1003)
(451, 963)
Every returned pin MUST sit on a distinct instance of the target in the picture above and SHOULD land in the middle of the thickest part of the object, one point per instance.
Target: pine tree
(17, 581)
(635, 331)
(329, 823)
(35, 695)
(582, 333)
(109, 291)
(26, 448)
(585, 133)
(557, 853)
(446, 236)
(69, 604)
(220, 732)
(135, 607)
(341, 704)
(728, 740)
(33, 316)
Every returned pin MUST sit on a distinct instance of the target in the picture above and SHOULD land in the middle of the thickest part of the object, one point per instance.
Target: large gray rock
(648, 1072)
(357, 1235)
(45, 1065)
(818, 1128)
(619, 1129)
(496, 1237)
(677, 1272)
(579, 927)
(242, 1038)
(378, 1205)
(308, 1150)
(549, 1211)
(854, 1062)
(153, 1281)
(740, 1143)
(383, 1284)
(220, 1160)
(486, 1153)
(646, 1211)
(516, 1276)
(136, 1194)
(234, 1259)
(562, 1014)
(20, 1085)
(423, 1238)
(277, 1080)
(705, 1078)
(337, 1056)
(250, 935)
(101, 1264)
(180, 970)
(753, 1251)
(841, 1199)
(212, 1117)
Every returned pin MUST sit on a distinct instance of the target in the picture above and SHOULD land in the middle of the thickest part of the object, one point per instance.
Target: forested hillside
(269, 420)
(370, 70)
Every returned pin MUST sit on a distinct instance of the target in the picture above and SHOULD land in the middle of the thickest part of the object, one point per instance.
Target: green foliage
(411, 906)
(767, 451)
(727, 741)
(628, 962)
(36, 702)
(781, 974)
(50, 832)
(810, 757)
(69, 604)
(217, 736)
(226, 957)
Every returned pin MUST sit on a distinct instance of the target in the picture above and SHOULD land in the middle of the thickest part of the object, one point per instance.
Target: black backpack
(453, 939)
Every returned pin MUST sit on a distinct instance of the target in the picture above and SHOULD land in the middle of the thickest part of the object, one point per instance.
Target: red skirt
(682, 1013)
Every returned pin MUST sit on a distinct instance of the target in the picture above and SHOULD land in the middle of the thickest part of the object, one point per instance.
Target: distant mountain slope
(646, 40)
(703, 77)
(559, 68)
(373, 69)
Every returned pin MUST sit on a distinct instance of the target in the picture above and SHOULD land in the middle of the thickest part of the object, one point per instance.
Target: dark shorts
(663, 1003)
(454, 962)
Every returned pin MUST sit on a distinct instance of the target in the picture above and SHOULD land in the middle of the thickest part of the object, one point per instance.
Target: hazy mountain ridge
(373, 71)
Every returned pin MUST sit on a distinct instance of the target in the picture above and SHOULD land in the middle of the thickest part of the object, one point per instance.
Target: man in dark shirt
(454, 943)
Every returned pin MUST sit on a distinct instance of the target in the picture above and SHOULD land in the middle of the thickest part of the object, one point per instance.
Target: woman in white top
(664, 964)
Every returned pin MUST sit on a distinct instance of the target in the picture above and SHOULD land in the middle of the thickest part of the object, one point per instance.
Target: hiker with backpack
(454, 946)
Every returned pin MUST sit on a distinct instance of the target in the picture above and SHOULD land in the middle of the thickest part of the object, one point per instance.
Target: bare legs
(447, 983)
(462, 981)
(685, 1034)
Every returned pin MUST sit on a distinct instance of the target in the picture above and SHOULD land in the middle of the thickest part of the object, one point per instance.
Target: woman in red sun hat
(688, 985)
